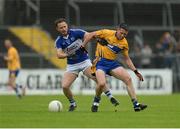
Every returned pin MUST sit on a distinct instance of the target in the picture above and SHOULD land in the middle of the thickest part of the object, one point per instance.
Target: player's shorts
(13, 73)
(76, 68)
(107, 65)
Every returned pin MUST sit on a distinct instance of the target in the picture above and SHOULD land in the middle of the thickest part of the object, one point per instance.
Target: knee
(128, 80)
(102, 84)
(10, 83)
(65, 86)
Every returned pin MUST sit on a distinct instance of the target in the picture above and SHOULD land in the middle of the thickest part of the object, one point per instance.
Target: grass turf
(31, 111)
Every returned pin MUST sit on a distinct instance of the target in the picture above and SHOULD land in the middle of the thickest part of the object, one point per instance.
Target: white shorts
(77, 68)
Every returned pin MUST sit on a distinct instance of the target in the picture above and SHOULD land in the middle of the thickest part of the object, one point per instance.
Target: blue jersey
(71, 45)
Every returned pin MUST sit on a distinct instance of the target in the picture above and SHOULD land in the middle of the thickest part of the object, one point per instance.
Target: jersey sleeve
(101, 33)
(11, 54)
(58, 43)
(125, 50)
(80, 33)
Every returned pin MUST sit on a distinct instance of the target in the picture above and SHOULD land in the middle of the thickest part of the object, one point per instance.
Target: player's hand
(83, 48)
(5, 58)
(138, 75)
(103, 42)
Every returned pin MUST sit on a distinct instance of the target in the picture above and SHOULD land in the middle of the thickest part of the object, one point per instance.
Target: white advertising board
(48, 81)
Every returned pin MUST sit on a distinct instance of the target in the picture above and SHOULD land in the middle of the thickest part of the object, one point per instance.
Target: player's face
(62, 28)
(121, 33)
(7, 44)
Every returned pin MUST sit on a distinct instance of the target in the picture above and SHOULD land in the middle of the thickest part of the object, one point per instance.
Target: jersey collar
(66, 37)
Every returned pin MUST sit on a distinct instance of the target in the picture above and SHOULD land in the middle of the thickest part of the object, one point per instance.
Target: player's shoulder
(107, 31)
(58, 39)
(77, 30)
(12, 49)
(125, 42)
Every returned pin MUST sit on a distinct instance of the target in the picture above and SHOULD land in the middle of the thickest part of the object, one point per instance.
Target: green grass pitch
(32, 111)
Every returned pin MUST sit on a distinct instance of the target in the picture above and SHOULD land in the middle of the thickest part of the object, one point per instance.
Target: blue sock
(135, 102)
(72, 102)
(97, 99)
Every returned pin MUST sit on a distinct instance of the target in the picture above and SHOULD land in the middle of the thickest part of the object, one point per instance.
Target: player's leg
(67, 81)
(122, 74)
(106, 90)
(87, 72)
(101, 83)
(12, 83)
(108, 93)
(22, 89)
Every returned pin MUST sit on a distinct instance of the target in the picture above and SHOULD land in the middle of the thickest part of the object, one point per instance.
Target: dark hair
(59, 20)
(124, 26)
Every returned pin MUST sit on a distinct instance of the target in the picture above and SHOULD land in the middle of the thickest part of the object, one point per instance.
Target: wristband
(136, 71)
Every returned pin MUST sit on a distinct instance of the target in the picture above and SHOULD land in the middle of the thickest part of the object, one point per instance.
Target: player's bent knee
(65, 87)
(10, 83)
(102, 84)
(128, 80)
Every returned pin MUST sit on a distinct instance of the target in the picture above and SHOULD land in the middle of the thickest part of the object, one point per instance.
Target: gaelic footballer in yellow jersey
(111, 43)
(13, 65)
(108, 51)
(13, 61)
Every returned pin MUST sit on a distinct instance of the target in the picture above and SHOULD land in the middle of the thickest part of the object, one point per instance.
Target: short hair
(59, 20)
(8, 39)
(124, 26)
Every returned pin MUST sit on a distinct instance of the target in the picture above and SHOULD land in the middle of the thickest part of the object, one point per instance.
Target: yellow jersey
(115, 45)
(14, 61)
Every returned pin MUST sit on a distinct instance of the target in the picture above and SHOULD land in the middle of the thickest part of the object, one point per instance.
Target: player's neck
(9, 47)
(65, 36)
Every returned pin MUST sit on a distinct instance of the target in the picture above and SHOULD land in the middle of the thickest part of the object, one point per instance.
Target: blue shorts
(107, 65)
(14, 72)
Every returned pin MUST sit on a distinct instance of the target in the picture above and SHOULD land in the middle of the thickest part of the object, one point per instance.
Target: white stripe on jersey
(78, 30)
(56, 41)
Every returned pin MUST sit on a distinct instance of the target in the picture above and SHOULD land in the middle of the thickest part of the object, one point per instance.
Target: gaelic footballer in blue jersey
(69, 45)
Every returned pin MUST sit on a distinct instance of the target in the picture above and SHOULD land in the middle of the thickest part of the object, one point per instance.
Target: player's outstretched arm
(88, 37)
(130, 64)
(61, 54)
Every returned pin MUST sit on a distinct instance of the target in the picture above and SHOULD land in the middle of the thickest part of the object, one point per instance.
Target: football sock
(135, 102)
(15, 89)
(108, 94)
(72, 102)
(96, 100)
(18, 86)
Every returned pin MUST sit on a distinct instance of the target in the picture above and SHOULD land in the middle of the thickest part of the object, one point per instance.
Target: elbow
(92, 35)
(59, 56)
(126, 59)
